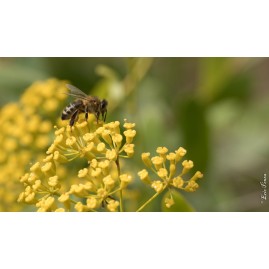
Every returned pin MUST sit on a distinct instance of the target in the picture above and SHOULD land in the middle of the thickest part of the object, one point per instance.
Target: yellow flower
(36, 185)
(113, 205)
(162, 151)
(178, 182)
(191, 186)
(70, 141)
(169, 202)
(128, 125)
(171, 156)
(63, 198)
(125, 180)
(83, 173)
(80, 207)
(157, 186)
(109, 182)
(104, 165)
(45, 204)
(129, 149)
(172, 169)
(101, 147)
(129, 134)
(92, 203)
(145, 158)
(144, 176)
(162, 173)
(111, 155)
(117, 138)
(60, 210)
(197, 175)
(106, 135)
(102, 193)
(53, 181)
(158, 162)
(47, 168)
(180, 153)
(187, 165)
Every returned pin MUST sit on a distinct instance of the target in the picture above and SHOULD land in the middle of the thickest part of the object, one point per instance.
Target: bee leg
(104, 116)
(74, 118)
(97, 116)
(86, 113)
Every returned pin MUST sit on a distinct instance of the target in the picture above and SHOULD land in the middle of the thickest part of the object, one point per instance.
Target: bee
(83, 104)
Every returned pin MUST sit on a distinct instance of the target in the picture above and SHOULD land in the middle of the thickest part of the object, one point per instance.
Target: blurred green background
(216, 108)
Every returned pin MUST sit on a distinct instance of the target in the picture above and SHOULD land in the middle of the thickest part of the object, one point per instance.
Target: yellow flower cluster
(98, 185)
(165, 166)
(25, 127)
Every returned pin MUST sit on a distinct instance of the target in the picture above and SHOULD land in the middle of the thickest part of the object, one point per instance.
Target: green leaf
(180, 204)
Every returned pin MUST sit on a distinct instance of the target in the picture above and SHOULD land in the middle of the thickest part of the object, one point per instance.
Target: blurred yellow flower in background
(25, 133)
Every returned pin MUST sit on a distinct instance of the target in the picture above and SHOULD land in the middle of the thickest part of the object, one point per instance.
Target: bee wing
(75, 92)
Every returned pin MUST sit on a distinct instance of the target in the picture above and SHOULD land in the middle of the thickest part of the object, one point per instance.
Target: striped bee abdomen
(70, 109)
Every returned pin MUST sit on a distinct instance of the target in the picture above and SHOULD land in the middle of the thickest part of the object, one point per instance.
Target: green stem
(150, 199)
(118, 168)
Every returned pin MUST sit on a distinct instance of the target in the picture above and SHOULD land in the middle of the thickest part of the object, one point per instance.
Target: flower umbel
(164, 166)
(102, 182)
